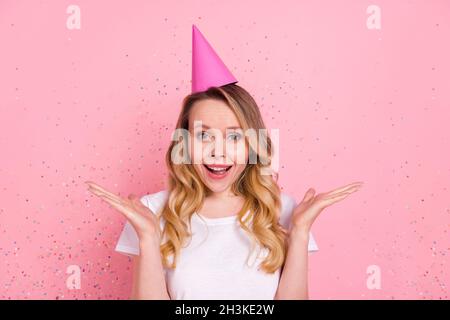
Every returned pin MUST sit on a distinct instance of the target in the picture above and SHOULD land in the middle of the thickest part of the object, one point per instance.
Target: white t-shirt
(212, 265)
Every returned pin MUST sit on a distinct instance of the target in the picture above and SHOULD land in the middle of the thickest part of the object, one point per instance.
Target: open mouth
(217, 170)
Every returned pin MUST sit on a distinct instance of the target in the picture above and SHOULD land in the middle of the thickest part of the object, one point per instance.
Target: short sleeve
(288, 205)
(128, 242)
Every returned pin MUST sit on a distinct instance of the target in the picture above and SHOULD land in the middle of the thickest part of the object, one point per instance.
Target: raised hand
(312, 205)
(141, 218)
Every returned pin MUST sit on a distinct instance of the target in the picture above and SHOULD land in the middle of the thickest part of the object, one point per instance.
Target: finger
(134, 198)
(340, 197)
(345, 188)
(346, 192)
(308, 195)
(97, 192)
(107, 198)
(102, 190)
(97, 187)
(351, 185)
(333, 198)
(135, 201)
(342, 194)
(329, 201)
(109, 194)
(119, 206)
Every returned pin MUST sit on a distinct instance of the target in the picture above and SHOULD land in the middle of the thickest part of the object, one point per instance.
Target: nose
(219, 147)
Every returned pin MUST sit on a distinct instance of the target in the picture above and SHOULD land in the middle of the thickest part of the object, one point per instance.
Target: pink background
(352, 104)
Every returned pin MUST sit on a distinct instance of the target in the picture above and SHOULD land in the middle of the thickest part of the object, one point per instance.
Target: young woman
(203, 217)
(222, 229)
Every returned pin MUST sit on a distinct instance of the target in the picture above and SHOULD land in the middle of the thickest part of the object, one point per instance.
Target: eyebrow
(208, 127)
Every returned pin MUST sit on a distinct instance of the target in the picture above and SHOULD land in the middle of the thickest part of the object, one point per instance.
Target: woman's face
(218, 147)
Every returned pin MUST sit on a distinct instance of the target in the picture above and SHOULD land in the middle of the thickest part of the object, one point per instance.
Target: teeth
(217, 169)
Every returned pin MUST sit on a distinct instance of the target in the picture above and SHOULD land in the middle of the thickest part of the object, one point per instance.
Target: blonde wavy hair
(261, 192)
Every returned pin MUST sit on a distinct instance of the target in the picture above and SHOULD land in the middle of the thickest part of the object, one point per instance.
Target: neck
(226, 194)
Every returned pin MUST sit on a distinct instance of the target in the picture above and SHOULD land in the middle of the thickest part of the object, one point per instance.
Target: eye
(203, 136)
(235, 136)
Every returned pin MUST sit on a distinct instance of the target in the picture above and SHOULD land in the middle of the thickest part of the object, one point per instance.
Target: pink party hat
(208, 70)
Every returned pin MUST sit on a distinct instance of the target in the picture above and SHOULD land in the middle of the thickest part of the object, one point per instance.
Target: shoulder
(155, 201)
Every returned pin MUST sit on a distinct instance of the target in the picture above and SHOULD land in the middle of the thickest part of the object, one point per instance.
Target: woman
(222, 229)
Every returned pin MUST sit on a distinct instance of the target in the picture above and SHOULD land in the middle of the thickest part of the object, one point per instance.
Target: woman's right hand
(141, 218)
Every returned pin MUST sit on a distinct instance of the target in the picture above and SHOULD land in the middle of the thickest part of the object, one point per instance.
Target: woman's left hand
(312, 205)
